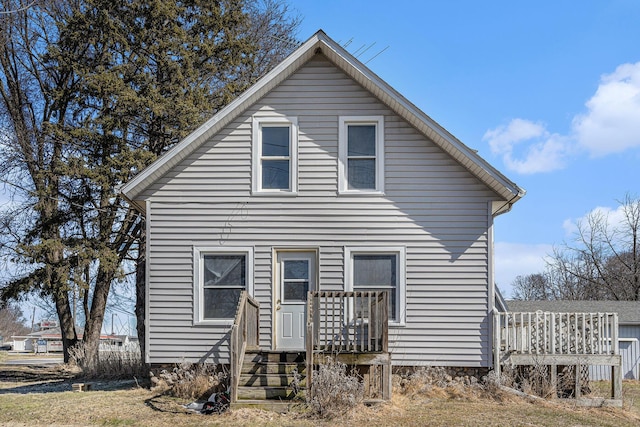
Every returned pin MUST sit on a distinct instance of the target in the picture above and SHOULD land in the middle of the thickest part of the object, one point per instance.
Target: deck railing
(244, 333)
(545, 333)
(352, 326)
(348, 321)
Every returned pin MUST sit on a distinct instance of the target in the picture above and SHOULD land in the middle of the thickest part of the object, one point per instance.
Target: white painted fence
(546, 333)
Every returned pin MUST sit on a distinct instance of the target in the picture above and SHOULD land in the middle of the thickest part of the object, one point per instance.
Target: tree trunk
(67, 328)
(141, 294)
(93, 325)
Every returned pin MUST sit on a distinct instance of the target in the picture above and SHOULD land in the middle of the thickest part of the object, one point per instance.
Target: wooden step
(267, 405)
(273, 368)
(266, 377)
(267, 393)
(270, 380)
(266, 356)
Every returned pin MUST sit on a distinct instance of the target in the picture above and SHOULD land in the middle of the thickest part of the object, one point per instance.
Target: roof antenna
(374, 56)
(358, 50)
(370, 46)
(362, 49)
(291, 41)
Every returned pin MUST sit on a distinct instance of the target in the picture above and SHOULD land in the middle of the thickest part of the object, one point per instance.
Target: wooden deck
(559, 339)
(351, 327)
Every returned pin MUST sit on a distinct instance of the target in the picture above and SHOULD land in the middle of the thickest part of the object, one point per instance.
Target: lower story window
(220, 277)
(373, 269)
(377, 273)
(224, 278)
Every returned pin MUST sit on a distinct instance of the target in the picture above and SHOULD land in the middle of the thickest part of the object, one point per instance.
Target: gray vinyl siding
(432, 205)
(629, 348)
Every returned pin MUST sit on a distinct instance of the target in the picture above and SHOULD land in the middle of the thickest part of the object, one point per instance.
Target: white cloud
(518, 259)
(611, 124)
(543, 152)
(612, 121)
(615, 218)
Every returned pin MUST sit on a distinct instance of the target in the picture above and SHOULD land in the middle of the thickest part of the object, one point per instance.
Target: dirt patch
(35, 373)
(24, 379)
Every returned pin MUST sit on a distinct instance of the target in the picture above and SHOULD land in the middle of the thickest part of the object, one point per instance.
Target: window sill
(274, 193)
(214, 322)
(360, 193)
(397, 324)
(357, 323)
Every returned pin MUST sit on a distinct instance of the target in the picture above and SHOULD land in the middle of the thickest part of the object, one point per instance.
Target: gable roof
(320, 43)
(628, 311)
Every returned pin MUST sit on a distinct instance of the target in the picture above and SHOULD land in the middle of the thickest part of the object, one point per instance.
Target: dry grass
(191, 381)
(110, 364)
(333, 379)
(437, 405)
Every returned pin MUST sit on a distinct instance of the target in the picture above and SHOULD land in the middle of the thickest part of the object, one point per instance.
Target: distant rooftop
(628, 311)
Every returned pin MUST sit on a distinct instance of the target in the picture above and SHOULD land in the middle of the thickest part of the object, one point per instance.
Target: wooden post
(578, 388)
(553, 336)
(309, 341)
(616, 382)
(386, 379)
(385, 322)
(553, 376)
(496, 342)
(616, 370)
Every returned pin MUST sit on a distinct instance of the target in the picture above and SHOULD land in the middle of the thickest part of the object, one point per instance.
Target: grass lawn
(24, 400)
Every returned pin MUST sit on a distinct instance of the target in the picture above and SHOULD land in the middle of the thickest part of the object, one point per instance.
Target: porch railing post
(496, 342)
(310, 341)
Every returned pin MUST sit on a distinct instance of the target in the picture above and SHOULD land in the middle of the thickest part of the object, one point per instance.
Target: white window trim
(343, 179)
(401, 253)
(256, 143)
(198, 274)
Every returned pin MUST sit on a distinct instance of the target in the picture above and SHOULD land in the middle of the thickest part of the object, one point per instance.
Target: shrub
(191, 380)
(110, 364)
(334, 391)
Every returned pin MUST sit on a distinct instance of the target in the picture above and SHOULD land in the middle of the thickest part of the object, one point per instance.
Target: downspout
(491, 283)
(492, 311)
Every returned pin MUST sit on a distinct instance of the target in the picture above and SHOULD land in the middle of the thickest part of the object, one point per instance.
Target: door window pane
(296, 269)
(296, 280)
(295, 291)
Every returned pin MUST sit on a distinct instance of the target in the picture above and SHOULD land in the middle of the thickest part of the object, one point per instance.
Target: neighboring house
(320, 177)
(49, 340)
(628, 331)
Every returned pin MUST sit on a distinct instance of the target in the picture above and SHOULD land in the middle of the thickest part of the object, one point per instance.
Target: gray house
(321, 177)
(628, 332)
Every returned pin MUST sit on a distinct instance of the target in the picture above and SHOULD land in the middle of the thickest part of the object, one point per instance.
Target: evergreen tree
(125, 80)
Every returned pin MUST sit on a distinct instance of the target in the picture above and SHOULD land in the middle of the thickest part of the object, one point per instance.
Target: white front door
(295, 275)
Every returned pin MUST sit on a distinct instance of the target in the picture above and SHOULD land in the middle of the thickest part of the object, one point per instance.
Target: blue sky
(546, 91)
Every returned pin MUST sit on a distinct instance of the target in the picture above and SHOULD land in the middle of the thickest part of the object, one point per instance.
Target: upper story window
(275, 154)
(361, 151)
